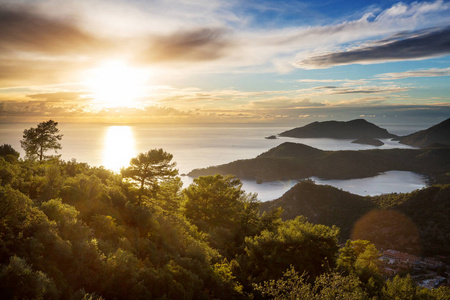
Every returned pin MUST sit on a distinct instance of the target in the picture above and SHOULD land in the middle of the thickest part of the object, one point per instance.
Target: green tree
(328, 286)
(309, 248)
(213, 201)
(219, 207)
(8, 171)
(19, 281)
(400, 288)
(361, 258)
(36, 141)
(358, 255)
(9, 153)
(150, 167)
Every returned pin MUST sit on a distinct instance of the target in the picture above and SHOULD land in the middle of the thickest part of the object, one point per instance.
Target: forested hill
(415, 222)
(353, 129)
(322, 204)
(437, 134)
(296, 161)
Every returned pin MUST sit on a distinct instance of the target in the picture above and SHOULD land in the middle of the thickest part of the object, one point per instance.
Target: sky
(211, 61)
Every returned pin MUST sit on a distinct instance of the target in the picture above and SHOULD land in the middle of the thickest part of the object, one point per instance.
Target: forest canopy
(72, 231)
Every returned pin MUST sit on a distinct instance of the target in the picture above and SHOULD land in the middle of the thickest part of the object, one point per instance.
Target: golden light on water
(119, 147)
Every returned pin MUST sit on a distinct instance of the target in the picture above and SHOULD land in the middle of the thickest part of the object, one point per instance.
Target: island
(437, 134)
(368, 141)
(271, 137)
(354, 129)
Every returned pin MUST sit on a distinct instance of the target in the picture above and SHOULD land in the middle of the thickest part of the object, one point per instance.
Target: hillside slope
(322, 204)
(416, 222)
(437, 134)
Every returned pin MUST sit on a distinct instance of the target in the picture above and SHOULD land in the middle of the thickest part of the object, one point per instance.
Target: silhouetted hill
(353, 129)
(322, 204)
(437, 134)
(415, 222)
(297, 161)
(289, 149)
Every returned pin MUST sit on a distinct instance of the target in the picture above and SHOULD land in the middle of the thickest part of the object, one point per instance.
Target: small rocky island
(368, 141)
(353, 129)
(271, 137)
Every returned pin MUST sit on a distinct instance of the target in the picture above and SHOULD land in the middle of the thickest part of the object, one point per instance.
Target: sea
(201, 146)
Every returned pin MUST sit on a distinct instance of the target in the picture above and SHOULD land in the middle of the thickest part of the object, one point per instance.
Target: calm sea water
(204, 146)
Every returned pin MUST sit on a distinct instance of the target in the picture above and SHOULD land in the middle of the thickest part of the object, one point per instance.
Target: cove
(384, 183)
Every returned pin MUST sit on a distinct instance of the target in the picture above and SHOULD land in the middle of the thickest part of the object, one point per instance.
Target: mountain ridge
(353, 129)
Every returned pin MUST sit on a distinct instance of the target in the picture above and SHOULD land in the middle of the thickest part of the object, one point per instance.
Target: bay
(201, 146)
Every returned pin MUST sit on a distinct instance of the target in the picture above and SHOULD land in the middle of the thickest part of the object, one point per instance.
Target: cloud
(65, 111)
(343, 90)
(417, 73)
(36, 49)
(59, 96)
(362, 102)
(26, 72)
(284, 103)
(201, 44)
(420, 44)
(22, 29)
(320, 80)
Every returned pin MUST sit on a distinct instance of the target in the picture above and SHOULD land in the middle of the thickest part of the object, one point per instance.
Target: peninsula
(296, 161)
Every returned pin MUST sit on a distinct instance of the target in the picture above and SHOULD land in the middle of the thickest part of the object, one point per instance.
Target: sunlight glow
(119, 147)
(115, 83)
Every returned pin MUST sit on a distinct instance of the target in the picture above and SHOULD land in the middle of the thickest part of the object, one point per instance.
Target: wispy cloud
(320, 80)
(285, 103)
(342, 90)
(416, 73)
(59, 96)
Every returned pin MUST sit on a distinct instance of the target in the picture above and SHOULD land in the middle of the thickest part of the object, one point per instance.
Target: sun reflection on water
(119, 147)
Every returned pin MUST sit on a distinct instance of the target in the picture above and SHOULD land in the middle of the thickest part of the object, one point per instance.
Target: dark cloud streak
(201, 44)
(21, 29)
(417, 45)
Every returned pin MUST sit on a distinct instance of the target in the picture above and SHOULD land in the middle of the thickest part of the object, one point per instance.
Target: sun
(114, 83)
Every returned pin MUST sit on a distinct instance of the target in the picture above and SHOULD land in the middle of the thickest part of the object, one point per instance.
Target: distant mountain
(353, 129)
(297, 161)
(438, 134)
(415, 222)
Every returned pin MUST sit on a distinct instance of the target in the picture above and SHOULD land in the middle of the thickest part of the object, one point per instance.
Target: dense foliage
(71, 231)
